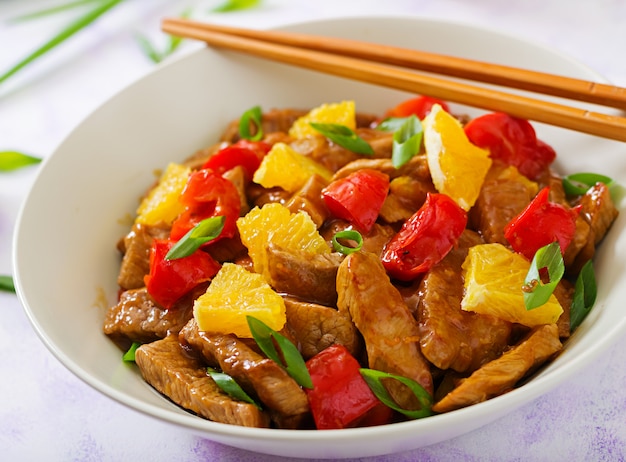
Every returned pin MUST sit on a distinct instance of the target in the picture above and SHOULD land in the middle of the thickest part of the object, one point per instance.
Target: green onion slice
(584, 295)
(236, 5)
(6, 283)
(350, 234)
(205, 231)
(254, 117)
(391, 124)
(373, 379)
(406, 141)
(229, 386)
(344, 137)
(293, 363)
(578, 183)
(13, 160)
(536, 293)
(129, 356)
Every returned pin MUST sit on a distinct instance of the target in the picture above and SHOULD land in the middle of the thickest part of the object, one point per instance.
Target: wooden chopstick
(608, 126)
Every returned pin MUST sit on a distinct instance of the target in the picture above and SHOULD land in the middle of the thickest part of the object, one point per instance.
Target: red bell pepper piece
(513, 141)
(419, 106)
(358, 197)
(541, 223)
(207, 194)
(340, 397)
(247, 154)
(425, 238)
(169, 280)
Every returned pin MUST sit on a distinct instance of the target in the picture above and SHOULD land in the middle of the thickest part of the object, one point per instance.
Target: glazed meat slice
(450, 337)
(501, 375)
(389, 330)
(260, 376)
(173, 372)
(374, 241)
(504, 194)
(274, 120)
(136, 249)
(309, 199)
(599, 210)
(138, 318)
(316, 327)
(308, 277)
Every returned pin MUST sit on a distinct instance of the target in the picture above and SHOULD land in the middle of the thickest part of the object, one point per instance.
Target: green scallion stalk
(230, 386)
(236, 5)
(374, 378)
(577, 184)
(345, 137)
(293, 362)
(151, 51)
(129, 356)
(536, 293)
(6, 283)
(52, 10)
(252, 117)
(407, 140)
(585, 295)
(13, 160)
(351, 235)
(205, 231)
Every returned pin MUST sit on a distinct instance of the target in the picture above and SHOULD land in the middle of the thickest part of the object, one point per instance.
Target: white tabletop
(46, 413)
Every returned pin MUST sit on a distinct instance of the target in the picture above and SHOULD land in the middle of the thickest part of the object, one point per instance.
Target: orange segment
(287, 169)
(162, 204)
(494, 276)
(235, 293)
(342, 113)
(276, 224)
(457, 167)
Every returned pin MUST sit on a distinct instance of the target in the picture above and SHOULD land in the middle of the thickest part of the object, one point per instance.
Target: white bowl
(66, 262)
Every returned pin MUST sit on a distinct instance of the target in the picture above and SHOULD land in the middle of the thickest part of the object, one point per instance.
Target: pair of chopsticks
(383, 65)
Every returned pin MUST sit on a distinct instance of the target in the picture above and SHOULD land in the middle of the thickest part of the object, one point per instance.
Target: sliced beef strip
(599, 210)
(449, 336)
(258, 375)
(315, 327)
(136, 249)
(138, 318)
(300, 274)
(501, 375)
(309, 199)
(173, 372)
(388, 328)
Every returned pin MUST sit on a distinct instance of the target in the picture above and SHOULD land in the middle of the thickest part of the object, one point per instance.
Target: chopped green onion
(13, 160)
(205, 231)
(344, 137)
(391, 124)
(350, 234)
(230, 386)
(584, 295)
(406, 141)
(252, 116)
(536, 293)
(129, 356)
(373, 379)
(293, 363)
(151, 51)
(578, 183)
(6, 283)
(76, 26)
(236, 5)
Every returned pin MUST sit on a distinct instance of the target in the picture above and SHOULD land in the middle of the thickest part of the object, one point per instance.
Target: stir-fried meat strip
(308, 277)
(136, 249)
(173, 372)
(237, 176)
(504, 194)
(501, 375)
(373, 242)
(599, 210)
(389, 330)
(258, 375)
(564, 293)
(138, 318)
(274, 120)
(450, 337)
(316, 327)
(309, 199)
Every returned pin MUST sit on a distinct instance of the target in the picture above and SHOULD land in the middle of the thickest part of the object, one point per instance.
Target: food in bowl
(412, 277)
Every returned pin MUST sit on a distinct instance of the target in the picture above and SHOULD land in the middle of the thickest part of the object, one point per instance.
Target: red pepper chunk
(425, 238)
(513, 141)
(244, 153)
(358, 197)
(207, 194)
(419, 106)
(340, 397)
(541, 223)
(169, 280)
